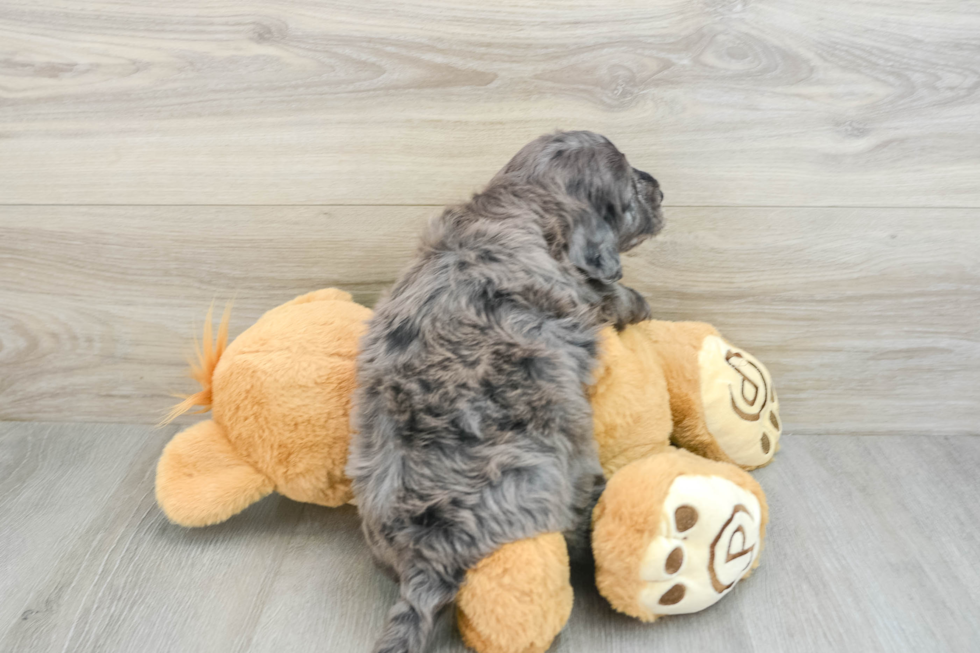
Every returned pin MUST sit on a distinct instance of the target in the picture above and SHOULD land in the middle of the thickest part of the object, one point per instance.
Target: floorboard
(728, 102)
(872, 547)
(867, 318)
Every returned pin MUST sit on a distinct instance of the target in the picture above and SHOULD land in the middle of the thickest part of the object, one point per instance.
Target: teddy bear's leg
(517, 599)
(722, 398)
(673, 533)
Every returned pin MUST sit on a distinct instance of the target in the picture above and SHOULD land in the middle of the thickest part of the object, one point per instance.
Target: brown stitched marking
(728, 554)
(685, 517)
(773, 420)
(715, 583)
(765, 443)
(674, 595)
(755, 388)
(748, 417)
(674, 560)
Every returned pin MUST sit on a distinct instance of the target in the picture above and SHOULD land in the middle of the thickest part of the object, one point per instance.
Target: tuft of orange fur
(208, 353)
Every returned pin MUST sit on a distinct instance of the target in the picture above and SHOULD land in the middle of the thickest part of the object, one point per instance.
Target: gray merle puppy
(473, 426)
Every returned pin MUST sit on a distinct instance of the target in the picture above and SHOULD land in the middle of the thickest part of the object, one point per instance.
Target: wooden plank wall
(820, 162)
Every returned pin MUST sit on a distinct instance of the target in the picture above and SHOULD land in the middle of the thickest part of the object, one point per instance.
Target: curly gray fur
(472, 425)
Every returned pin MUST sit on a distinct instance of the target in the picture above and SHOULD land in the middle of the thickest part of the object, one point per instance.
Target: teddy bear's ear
(201, 479)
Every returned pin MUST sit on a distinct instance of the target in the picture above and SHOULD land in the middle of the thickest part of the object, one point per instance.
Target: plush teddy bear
(679, 414)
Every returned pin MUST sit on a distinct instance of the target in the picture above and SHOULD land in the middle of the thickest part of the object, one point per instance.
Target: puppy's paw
(710, 539)
(633, 308)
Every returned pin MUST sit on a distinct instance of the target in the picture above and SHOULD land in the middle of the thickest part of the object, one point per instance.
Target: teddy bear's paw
(708, 540)
(740, 406)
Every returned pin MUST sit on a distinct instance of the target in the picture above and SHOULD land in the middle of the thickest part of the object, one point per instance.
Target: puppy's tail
(424, 592)
(208, 353)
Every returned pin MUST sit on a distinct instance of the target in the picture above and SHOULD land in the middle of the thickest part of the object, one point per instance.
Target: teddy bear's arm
(202, 480)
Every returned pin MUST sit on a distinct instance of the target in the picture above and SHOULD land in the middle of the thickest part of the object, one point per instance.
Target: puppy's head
(618, 205)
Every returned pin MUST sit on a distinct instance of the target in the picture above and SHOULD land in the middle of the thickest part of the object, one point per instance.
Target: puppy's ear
(593, 248)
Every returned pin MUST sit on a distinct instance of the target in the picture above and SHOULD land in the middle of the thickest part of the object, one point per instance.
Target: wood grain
(868, 318)
(155, 157)
(54, 481)
(729, 102)
(100, 305)
(98, 569)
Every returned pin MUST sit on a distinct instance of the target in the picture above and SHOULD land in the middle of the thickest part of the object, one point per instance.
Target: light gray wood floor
(868, 325)
(819, 159)
(873, 547)
(730, 102)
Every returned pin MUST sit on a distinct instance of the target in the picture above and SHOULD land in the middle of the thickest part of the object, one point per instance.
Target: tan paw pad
(709, 539)
(741, 409)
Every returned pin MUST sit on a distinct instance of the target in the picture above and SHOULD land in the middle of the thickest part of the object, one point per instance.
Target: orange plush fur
(517, 599)
(627, 518)
(280, 400)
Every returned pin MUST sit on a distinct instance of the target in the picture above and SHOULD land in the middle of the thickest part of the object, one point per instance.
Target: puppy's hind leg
(425, 590)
